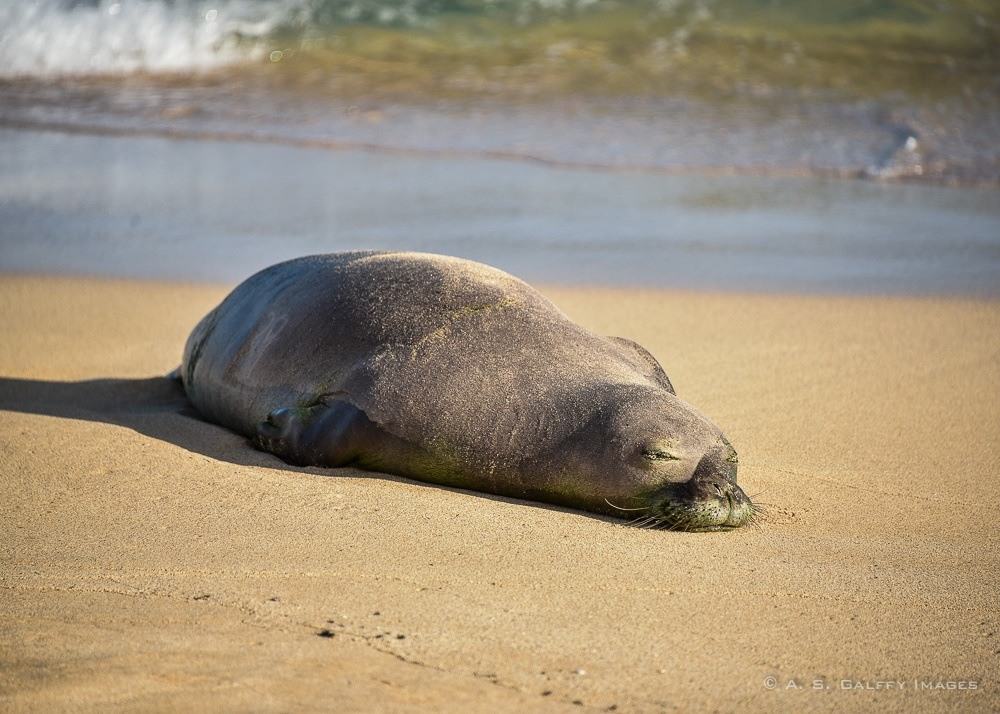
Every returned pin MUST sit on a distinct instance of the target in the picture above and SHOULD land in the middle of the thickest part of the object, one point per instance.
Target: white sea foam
(74, 37)
(50, 38)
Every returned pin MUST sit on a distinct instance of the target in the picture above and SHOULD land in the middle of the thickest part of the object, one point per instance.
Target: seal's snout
(729, 498)
(714, 473)
(710, 499)
(714, 480)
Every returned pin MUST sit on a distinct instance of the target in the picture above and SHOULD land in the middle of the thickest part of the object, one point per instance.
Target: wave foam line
(47, 38)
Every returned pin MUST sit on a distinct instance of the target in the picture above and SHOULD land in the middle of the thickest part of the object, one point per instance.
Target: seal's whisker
(644, 508)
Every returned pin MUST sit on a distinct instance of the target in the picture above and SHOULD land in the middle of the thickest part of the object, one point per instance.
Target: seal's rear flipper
(334, 433)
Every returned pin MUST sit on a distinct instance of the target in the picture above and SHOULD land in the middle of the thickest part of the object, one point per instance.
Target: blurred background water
(752, 144)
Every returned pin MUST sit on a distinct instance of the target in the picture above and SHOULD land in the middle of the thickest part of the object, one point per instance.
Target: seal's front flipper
(278, 432)
(330, 433)
(651, 368)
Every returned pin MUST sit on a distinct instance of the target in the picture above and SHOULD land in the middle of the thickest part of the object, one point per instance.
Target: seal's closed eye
(656, 454)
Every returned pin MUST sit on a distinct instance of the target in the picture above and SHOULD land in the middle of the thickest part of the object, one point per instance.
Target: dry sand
(151, 561)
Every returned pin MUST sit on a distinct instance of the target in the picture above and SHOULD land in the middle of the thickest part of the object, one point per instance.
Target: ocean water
(754, 144)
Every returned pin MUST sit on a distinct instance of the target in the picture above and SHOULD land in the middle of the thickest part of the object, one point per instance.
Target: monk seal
(453, 372)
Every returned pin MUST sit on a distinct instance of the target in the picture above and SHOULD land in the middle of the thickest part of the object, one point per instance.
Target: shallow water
(210, 210)
(863, 139)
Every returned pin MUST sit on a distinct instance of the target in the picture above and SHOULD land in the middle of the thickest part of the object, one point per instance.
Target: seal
(453, 372)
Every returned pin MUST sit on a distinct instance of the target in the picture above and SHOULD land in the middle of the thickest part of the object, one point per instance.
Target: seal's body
(449, 371)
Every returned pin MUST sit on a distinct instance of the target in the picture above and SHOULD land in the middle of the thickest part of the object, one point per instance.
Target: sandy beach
(152, 561)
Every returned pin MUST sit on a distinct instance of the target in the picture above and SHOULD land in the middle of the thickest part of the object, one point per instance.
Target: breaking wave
(50, 38)
(61, 37)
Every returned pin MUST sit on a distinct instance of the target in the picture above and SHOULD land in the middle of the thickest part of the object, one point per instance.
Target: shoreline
(151, 560)
(330, 144)
(548, 287)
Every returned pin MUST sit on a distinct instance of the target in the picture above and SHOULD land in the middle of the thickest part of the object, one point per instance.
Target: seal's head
(710, 500)
(657, 457)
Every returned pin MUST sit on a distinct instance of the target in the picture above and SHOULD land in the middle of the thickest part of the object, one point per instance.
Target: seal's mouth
(715, 504)
(710, 500)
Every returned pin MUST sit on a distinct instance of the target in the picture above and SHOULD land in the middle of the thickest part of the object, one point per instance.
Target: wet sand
(151, 561)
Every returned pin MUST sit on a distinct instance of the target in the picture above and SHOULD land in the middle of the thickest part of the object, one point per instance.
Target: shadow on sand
(158, 408)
